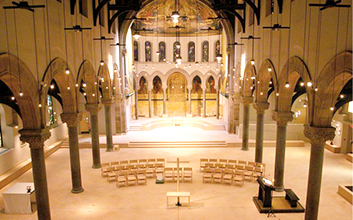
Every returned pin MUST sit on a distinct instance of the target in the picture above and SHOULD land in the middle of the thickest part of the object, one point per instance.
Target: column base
(96, 166)
(245, 149)
(110, 149)
(279, 188)
(77, 190)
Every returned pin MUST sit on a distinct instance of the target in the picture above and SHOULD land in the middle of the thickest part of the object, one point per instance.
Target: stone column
(217, 103)
(260, 109)
(72, 120)
(118, 113)
(149, 104)
(318, 136)
(136, 105)
(36, 139)
(189, 97)
(108, 124)
(164, 100)
(93, 110)
(246, 113)
(204, 102)
(282, 119)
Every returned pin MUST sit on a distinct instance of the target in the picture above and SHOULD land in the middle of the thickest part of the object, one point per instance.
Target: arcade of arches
(83, 83)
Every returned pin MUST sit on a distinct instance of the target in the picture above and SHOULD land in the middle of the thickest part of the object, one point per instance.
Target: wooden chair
(250, 163)
(228, 176)
(223, 161)
(248, 173)
(214, 161)
(239, 177)
(115, 164)
(150, 170)
(121, 179)
(262, 165)
(187, 174)
(141, 177)
(159, 168)
(168, 174)
(217, 175)
(203, 162)
(210, 165)
(161, 161)
(151, 161)
(133, 162)
(233, 162)
(124, 162)
(104, 169)
(257, 172)
(230, 167)
(242, 162)
(111, 176)
(143, 161)
(131, 178)
(207, 175)
(141, 166)
(220, 165)
(240, 167)
(176, 173)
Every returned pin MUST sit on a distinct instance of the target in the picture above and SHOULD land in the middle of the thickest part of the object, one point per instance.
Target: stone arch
(210, 88)
(265, 76)
(160, 75)
(159, 88)
(293, 70)
(333, 77)
(104, 82)
(196, 73)
(86, 76)
(145, 75)
(179, 70)
(141, 85)
(14, 73)
(66, 82)
(248, 80)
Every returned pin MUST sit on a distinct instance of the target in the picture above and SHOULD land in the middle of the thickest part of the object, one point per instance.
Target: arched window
(148, 51)
(50, 110)
(191, 51)
(217, 49)
(136, 51)
(205, 51)
(176, 50)
(161, 49)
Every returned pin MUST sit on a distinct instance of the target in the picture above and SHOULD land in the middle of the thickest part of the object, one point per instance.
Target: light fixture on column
(102, 62)
(252, 61)
(302, 84)
(67, 71)
(178, 59)
(316, 89)
(157, 53)
(269, 69)
(332, 108)
(21, 94)
(196, 63)
(219, 57)
(309, 84)
(342, 96)
(287, 85)
(136, 35)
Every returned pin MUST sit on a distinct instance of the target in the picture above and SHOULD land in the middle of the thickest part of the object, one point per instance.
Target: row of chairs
(230, 164)
(229, 176)
(171, 174)
(130, 178)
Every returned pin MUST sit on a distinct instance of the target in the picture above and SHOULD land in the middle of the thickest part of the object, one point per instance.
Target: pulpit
(265, 191)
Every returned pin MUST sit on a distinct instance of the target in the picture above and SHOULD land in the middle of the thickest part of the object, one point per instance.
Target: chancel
(98, 96)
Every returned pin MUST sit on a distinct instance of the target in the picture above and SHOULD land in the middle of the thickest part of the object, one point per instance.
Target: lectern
(265, 191)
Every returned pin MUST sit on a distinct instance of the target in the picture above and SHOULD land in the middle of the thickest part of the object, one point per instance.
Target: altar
(18, 199)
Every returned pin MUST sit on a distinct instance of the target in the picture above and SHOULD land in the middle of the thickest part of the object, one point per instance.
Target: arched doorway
(177, 95)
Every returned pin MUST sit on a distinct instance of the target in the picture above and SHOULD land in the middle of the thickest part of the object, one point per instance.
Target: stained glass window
(50, 110)
(136, 51)
(176, 50)
(148, 51)
(191, 52)
(217, 49)
(161, 51)
(205, 51)
(1, 143)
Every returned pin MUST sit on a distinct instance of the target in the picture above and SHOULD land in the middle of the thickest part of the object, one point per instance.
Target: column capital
(164, 87)
(261, 107)
(71, 119)
(247, 100)
(35, 138)
(282, 118)
(93, 108)
(107, 102)
(189, 87)
(319, 135)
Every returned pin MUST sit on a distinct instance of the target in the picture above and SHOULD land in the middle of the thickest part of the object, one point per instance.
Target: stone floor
(103, 200)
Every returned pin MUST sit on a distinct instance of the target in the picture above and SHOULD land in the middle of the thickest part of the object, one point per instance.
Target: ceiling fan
(77, 28)
(118, 45)
(250, 37)
(236, 44)
(23, 5)
(103, 38)
(134, 18)
(276, 27)
(330, 4)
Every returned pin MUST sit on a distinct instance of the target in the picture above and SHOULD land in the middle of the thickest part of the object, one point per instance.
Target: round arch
(264, 78)
(87, 77)
(248, 82)
(105, 81)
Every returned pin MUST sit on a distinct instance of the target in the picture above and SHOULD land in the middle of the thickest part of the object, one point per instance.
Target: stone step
(349, 157)
(177, 144)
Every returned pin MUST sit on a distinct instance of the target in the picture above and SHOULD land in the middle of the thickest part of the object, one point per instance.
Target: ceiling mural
(197, 18)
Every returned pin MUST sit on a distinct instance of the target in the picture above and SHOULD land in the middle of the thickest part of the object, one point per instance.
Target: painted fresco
(143, 86)
(162, 49)
(205, 51)
(217, 49)
(148, 51)
(194, 10)
(196, 85)
(157, 85)
(176, 50)
(191, 52)
(210, 85)
(136, 51)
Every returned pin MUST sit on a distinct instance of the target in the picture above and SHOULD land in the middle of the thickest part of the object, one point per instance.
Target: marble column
(318, 136)
(282, 119)
(260, 109)
(93, 110)
(72, 120)
(189, 98)
(36, 139)
(149, 104)
(246, 114)
(217, 103)
(136, 105)
(108, 124)
(204, 102)
(164, 100)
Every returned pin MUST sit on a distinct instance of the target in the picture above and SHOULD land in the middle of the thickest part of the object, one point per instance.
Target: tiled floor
(103, 200)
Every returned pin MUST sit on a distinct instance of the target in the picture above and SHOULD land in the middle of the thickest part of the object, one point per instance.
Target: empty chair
(121, 179)
(161, 161)
(239, 178)
(124, 162)
(133, 162)
(248, 173)
(115, 164)
(220, 165)
(176, 173)
(203, 162)
(228, 176)
(141, 177)
(207, 175)
(223, 161)
(131, 167)
(187, 174)
(257, 172)
(131, 178)
(151, 161)
(262, 165)
(150, 170)
(251, 163)
(159, 168)
(233, 162)
(217, 175)
(104, 169)
(213, 161)
(141, 166)
(240, 167)
(142, 161)
(210, 165)
(111, 175)
(242, 162)
(168, 174)
(230, 167)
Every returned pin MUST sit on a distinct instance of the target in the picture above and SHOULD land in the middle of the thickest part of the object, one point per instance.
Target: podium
(265, 191)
